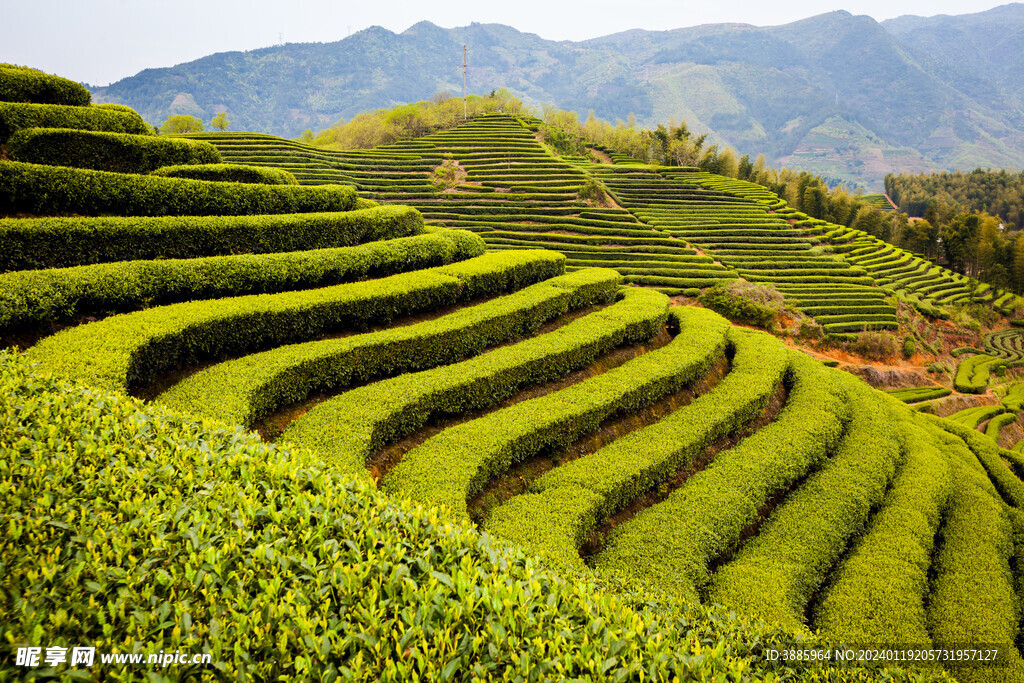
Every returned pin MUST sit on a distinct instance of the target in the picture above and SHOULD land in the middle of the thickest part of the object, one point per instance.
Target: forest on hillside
(998, 193)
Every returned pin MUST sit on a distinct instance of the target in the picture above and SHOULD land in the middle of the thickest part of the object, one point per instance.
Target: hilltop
(836, 94)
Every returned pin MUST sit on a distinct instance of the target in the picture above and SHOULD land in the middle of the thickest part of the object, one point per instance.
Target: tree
(181, 123)
(220, 121)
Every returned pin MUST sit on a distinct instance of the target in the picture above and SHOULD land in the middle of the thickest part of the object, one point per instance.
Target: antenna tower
(465, 105)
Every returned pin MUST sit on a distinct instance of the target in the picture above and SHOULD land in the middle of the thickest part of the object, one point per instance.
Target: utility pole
(465, 105)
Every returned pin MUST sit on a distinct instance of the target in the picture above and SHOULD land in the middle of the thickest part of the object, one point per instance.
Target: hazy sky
(101, 41)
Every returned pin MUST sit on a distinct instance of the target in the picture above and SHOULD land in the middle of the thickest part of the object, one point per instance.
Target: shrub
(874, 345)
(909, 347)
(592, 192)
(347, 428)
(127, 351)
(453, 465)
(36, 297)
(105, 483)
(22, 84)
(118, 152)
(745, 302)
(14, 117)
(810, 329)
(247, 389)
(670, 545)
(52, 190)
(231, 173)
(60, 242)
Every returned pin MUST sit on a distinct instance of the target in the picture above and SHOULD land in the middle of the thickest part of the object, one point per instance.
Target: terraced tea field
(422, 371)
(670, 229)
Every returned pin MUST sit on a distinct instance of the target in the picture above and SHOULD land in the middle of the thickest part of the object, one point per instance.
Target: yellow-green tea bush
(117, 152)
(27, 243)
(228, 173)
(56, 190)
(15, 116)
(23, 84)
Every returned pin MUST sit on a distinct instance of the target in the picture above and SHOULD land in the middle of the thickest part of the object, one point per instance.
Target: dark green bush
(29, 243)
(15, 116)
(22, 84)
(230, 173)
(909, 347)
(118, 152)
(52, 190)
(36, 297)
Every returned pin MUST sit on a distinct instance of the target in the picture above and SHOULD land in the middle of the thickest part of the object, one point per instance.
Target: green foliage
(918, 394)
(51, 190)
(566, 503)
(37, 297)
(591, 191)
(346, 429)
(408, 121)
(776, 574)
(117, 152)
(450, 467)
(177, 124)
(997, 192)
(22, 84)
(126, 351)
(230, 173)
(107, 483)
(909, 347)
(59, 242)
(874, 345)
(744, 302)
(220, 121)
(670, 546)
(245, 390)
(14, 117)
(877, 594)
(972, 375)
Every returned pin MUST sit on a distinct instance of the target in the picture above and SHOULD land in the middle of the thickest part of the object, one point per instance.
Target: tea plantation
(405, 420)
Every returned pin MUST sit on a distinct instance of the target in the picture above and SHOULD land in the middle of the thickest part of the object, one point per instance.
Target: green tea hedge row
(776, 574)
(1014, 397)
(228, 173)
(14, 117)
(345, 430)
(245, 390)
(918, 394)
(22, 84)
(671, 544)
(972, 375)
(27, 243)
(139, 551)
(988, 453)
(118, 152)
(566, 503)
(53, 190)
(125, 351)
(973, 601)
(450, 467)
(996, 424)
(36, 297)
(972, 417)
(878, 592)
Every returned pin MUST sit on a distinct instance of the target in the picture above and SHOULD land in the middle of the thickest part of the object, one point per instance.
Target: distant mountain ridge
(836, 94)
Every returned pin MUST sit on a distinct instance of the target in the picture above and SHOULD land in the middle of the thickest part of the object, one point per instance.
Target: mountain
(837, 94)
